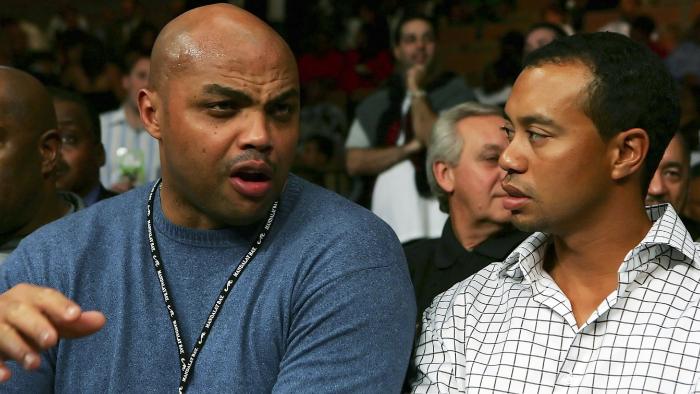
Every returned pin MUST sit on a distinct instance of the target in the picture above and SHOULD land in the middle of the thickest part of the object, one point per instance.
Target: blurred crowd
(345, 50)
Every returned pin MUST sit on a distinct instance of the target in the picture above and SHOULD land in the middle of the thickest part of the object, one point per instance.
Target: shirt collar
(496, 247)
(76, 203)
(92, 196)
(667, 230)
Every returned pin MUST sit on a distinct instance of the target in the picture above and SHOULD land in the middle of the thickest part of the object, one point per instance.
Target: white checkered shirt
(509, 328)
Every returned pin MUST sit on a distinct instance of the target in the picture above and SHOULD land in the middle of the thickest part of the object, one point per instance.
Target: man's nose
(512, 160)
(255, 132)
(657, 187)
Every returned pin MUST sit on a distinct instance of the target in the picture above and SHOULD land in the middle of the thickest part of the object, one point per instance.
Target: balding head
(28, 154)
(25, 101)
(223, 101)
(212, 33)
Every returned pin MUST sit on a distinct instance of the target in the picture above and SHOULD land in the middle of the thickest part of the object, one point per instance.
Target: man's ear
(149, 105)
(50, 150)
(444, 176)
(629, 151)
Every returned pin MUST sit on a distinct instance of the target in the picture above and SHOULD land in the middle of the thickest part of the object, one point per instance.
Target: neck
(133, 118)
(598, 244)
(584, 262)
(50, 206)
(470, 232)
(180, 212)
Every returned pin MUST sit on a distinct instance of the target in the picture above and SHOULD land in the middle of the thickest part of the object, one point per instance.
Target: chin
(249, 212)
(528, 225)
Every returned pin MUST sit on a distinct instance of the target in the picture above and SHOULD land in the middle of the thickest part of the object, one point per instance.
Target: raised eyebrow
(289, 94)
(286, 95)
(240, 97)
(673, 164)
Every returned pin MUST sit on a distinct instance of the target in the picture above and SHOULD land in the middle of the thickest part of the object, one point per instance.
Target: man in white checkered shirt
(605, 297)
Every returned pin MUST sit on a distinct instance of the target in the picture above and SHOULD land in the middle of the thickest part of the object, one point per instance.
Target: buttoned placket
(546, 292)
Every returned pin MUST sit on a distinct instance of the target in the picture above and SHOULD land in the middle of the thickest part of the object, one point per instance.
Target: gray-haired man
(463, 172)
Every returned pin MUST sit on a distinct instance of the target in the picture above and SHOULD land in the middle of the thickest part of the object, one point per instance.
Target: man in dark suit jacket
(82, 150)
(463, 172)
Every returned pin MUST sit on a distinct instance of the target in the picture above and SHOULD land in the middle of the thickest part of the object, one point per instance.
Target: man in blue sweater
(229, 276)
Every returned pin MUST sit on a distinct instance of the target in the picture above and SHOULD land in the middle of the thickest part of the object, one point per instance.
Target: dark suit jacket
(439, 263)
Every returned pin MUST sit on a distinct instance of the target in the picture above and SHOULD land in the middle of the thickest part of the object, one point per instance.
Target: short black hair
(630, 88)
(411, 17)
(61, 94)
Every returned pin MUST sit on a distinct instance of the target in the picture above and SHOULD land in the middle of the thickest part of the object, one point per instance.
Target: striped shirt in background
(509, 328)
(119, 137)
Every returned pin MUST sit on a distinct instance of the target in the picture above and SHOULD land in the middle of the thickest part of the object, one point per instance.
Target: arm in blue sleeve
(15, 270)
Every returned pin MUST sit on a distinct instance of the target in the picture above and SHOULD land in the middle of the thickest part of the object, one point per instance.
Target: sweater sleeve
(13, 271)
(353, 334)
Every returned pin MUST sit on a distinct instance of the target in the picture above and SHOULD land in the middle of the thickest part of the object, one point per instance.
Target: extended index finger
(41, 309)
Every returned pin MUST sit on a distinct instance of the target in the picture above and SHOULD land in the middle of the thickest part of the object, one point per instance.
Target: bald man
(230, 275)
(29, 149)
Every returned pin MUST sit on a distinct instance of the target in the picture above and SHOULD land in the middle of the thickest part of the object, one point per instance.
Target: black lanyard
(185, 364)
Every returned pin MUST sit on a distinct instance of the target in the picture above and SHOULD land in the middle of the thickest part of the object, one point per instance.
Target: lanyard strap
(186, 365)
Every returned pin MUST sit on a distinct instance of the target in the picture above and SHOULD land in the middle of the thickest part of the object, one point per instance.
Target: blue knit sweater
(326, 306)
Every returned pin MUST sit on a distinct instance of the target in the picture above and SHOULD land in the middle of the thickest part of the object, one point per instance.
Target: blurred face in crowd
(557, 165)
(136, 80)
(416, 44)
(82, 152)
(670, 181)
(228, 122)
(474, 184)
(538, 38)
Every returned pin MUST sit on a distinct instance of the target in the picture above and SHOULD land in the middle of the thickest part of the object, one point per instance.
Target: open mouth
(252, 176)
(252, 179)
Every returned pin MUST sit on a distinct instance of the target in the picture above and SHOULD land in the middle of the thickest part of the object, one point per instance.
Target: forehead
(12, 117)
(552, 90)
(477, 131)
(674, 151)
(68, 109)
(416, 27)
(255, 67)
(73, 115)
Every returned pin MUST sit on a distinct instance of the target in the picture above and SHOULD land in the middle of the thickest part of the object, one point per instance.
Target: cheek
(70, 155)
(675, 189)
(285, 141)
(80, 156)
